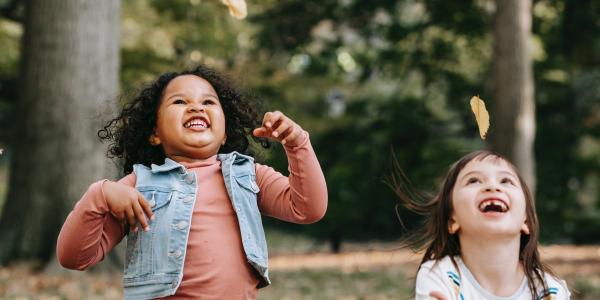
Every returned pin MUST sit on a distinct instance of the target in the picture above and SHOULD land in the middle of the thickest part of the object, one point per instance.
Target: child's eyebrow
(475, 172)
(508, 173)
(176, 95)
(203, 95)
(469, 173)
(211, 96)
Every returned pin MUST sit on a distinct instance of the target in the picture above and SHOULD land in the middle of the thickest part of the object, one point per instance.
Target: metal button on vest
(189, 178)
(181, 225)
(152, 203)
(188, 199)
(177, 253)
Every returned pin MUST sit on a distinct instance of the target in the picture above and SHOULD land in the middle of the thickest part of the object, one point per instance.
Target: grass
(393, 282)
(381, 283)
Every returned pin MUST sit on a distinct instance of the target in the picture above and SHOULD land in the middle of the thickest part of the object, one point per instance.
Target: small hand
(437, 295)
(277, 126)
(126, 204)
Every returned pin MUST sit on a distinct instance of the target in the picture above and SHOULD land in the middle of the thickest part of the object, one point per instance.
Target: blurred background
(368, 79)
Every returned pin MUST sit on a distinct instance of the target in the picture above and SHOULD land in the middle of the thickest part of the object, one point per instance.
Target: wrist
(105, 184)
(299, 141)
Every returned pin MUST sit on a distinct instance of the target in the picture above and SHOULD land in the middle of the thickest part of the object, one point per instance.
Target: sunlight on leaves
(237, 8)
(481, 116)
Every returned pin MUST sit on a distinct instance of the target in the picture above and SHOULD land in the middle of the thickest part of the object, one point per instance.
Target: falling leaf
(237, 8)
(481, 116)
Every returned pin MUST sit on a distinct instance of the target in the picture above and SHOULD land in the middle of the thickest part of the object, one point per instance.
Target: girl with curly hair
(191, 204)
(480, 236)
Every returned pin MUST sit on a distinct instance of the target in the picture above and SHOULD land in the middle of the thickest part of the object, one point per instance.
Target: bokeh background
(372, 81)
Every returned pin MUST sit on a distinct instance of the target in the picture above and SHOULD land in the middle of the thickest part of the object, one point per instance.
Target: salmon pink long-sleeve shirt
(215, 266)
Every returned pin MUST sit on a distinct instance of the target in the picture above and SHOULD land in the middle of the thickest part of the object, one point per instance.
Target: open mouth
(196, 122)
(493, 205)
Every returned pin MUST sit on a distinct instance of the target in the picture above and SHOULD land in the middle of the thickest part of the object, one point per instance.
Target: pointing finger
(139, 213)
(131, 218)
(145, 206)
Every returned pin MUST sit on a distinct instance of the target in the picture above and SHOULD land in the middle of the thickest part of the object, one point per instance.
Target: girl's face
(487, 198)
(191, 122)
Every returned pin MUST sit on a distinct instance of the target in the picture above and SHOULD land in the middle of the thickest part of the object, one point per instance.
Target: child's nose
(492, 187)
(196, 107)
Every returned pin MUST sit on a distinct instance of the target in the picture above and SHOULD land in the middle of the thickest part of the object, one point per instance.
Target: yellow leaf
(237, 8)
(481, 116)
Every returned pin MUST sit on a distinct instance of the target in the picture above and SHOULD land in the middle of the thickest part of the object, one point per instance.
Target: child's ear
(224, 141)
(525, 228)
(453, 226)
(154, 140)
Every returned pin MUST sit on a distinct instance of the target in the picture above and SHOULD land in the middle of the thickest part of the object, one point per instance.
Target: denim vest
(154, 259)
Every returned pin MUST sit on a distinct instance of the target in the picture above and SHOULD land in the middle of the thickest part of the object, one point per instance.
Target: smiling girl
(480, 236)
(191, 204)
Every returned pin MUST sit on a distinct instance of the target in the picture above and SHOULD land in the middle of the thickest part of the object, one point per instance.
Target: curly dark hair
(130, 131)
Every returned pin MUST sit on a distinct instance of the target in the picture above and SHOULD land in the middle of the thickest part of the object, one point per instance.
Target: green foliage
(567, 70)
(368, 78)
(406, 69)
(10, 35)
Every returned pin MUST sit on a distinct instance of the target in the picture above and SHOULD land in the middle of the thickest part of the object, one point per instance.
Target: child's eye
(472, 180)
(507, 180)
(178, 101)
(209, 101)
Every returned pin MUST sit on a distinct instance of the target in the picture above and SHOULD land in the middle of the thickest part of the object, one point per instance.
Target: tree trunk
(70, 64)
(513, 112)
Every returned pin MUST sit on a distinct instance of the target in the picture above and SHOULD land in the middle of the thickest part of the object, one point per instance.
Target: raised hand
(127, 205)
(277, 126)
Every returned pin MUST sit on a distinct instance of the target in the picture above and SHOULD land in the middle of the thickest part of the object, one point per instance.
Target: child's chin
(499, 230)
(507, 233)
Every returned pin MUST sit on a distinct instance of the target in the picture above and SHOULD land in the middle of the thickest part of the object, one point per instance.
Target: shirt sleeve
(90, 231)
(558, 287)
(299, 198)
(563, 293)
(430, 278)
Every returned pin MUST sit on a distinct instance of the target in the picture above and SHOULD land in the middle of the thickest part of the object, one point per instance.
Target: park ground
(303, 269)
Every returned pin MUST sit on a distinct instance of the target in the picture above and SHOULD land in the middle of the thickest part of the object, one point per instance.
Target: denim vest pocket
(156, 197)
(145, 249)
(248, 182)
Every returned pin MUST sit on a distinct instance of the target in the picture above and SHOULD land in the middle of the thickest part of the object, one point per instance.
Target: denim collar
(172, 165)
(233, 155)
(168, 166)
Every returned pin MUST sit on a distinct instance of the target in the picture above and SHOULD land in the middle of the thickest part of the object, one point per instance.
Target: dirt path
(565, 260)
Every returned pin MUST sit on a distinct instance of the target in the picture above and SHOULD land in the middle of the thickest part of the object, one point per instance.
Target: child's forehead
(189, 82)
(488, 163)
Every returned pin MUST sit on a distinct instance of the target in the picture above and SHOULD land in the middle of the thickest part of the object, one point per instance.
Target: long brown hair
(433, 237)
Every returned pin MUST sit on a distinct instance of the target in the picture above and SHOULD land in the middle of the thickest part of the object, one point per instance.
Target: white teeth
(195, 123)
(484, 204)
